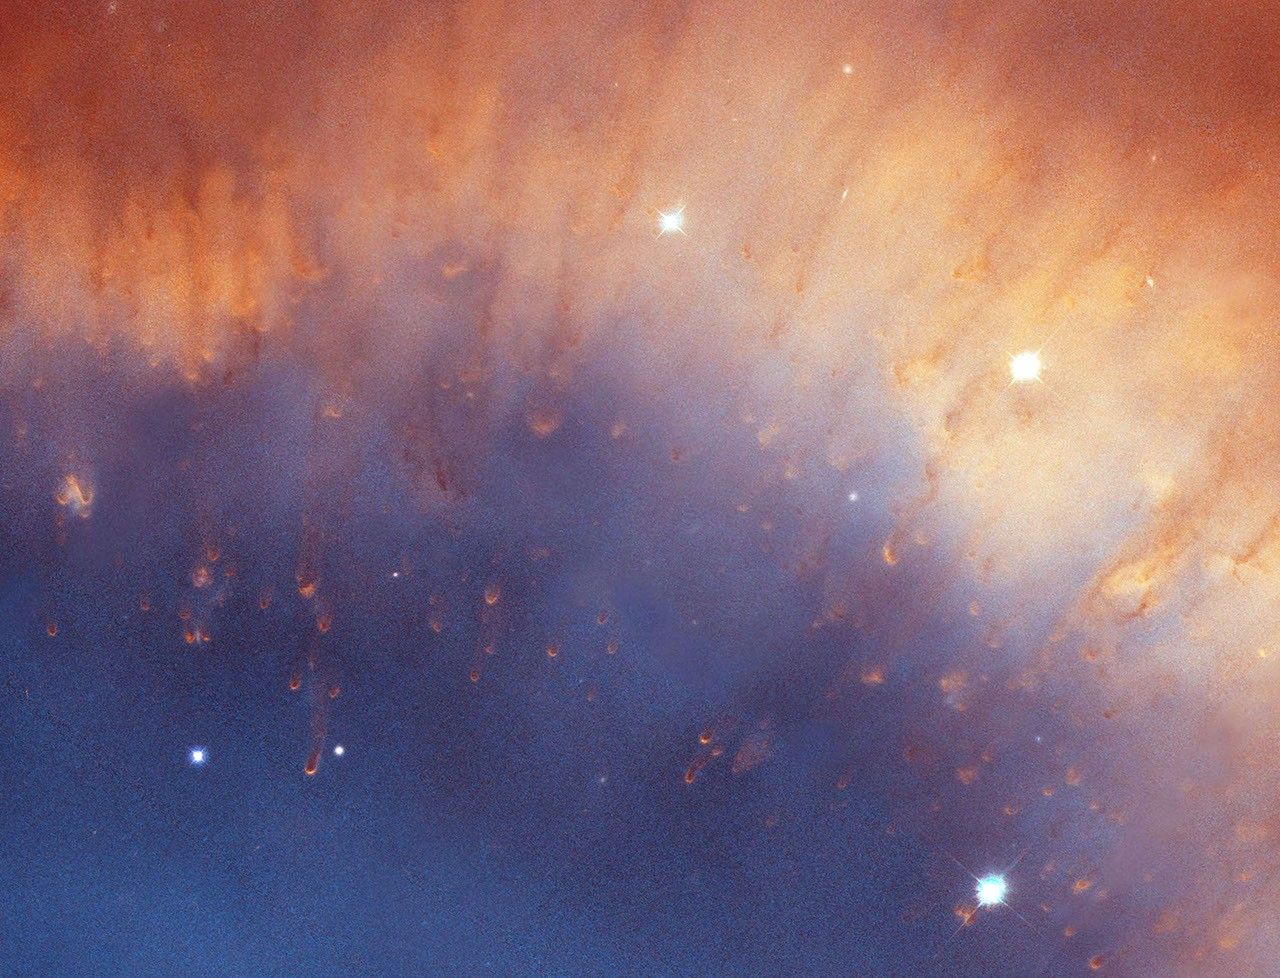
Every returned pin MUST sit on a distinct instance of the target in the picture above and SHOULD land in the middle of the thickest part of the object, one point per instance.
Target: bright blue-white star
(198, 756)
(991, 890)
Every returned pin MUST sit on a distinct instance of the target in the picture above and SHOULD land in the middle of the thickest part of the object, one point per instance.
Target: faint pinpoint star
(198, 756)
(853, 497)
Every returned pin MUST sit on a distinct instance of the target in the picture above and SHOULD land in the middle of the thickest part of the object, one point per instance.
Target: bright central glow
(671, 222)
(339, 750)
(197, 755)
(1025, 367)
(991, 890)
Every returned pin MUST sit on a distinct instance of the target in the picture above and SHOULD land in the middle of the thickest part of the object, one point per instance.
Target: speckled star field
(740, 488)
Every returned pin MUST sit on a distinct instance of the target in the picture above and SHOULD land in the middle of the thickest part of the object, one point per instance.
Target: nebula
(640, 488)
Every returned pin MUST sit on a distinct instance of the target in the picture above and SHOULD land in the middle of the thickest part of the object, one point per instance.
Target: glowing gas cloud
(1007, 268)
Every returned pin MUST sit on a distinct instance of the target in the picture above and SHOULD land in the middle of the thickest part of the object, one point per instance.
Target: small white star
(853, 497)
(671, 222)
(847, 69)
(198, 756)
(339, 750)
(1025, 367)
